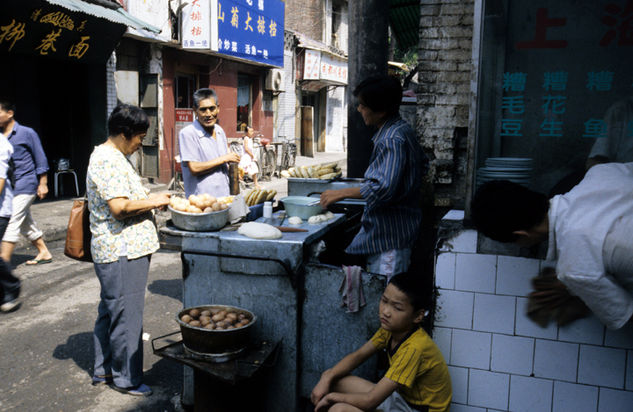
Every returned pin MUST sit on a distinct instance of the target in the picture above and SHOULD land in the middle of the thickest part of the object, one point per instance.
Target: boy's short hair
(411, 285)
(7, 105)
(380, 94)
(501, 207)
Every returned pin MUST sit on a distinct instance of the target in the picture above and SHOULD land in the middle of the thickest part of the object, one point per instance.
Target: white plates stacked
(514, 169)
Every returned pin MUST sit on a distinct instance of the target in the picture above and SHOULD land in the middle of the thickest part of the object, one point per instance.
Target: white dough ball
(295, 220)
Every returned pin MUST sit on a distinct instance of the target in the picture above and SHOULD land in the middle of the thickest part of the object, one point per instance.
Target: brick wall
(500, 360)
(444, 57)
(305, 17)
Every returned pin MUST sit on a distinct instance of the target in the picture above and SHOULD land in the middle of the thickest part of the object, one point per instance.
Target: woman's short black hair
(204, 93)
(380, 94)
(127, 119)
(411, 285)
(501, 207)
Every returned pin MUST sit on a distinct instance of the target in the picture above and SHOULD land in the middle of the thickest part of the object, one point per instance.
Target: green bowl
(301, 206)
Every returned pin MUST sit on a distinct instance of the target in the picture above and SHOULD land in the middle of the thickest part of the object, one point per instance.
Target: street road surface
(46, 346)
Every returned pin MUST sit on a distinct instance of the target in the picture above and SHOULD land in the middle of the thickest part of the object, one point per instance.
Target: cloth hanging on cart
(352, 289)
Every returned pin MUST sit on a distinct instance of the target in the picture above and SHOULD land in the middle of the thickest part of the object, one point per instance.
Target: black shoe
(10, 306)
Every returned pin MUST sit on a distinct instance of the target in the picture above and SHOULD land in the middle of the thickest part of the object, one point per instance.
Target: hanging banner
(312, 63)
(252, 30)
(199, 25)
(333, 69)
(38, 28)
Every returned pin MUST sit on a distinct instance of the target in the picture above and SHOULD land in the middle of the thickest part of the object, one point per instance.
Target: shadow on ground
(79, 348)
(171, 288)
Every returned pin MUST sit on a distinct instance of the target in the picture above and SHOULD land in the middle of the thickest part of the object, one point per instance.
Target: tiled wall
(500, 360)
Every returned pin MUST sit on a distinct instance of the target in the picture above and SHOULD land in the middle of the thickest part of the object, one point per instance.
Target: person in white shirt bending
(588, 230)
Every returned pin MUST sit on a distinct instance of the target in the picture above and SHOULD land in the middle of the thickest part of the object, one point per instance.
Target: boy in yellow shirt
(417, 378)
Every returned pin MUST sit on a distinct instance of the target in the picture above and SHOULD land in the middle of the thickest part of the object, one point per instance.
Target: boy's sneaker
(10, 306)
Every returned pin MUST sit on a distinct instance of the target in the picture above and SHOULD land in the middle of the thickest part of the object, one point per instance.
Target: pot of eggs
(215, 328)
(199, 213)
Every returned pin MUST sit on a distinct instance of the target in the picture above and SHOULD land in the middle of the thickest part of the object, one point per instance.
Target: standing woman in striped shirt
(392, 182)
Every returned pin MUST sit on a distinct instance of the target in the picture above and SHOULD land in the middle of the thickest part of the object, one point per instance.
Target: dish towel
(352, 289)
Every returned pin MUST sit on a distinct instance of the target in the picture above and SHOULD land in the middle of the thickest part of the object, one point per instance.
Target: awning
(404, 20)
(115, 15)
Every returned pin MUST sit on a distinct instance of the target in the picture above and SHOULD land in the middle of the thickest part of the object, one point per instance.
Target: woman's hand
(324, 404)
(161, 200)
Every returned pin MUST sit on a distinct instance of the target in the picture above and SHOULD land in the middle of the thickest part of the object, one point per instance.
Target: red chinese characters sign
(37, 27)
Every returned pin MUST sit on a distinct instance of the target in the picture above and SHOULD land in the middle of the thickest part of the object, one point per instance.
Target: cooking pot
(199, 222)
(201, 340)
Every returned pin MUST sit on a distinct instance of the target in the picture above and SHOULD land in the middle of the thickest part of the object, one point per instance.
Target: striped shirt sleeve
(404, 365)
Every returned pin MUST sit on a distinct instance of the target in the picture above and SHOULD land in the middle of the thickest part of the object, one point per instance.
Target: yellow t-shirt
(418, 365)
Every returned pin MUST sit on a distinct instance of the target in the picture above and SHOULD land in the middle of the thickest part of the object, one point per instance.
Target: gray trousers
(119, 325)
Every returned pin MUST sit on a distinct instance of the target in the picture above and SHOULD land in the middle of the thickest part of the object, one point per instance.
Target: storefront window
(185, 86)
(244, 102)
(556, 87)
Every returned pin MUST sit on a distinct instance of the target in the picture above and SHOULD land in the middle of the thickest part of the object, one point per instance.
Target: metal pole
(368, 54)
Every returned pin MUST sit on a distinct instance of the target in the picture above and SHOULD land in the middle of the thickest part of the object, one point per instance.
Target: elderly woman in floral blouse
(123, 238)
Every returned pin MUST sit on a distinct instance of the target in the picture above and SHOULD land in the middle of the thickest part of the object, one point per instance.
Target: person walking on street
(9, 284)
(204, 149)
(31, 180)
(124, 237)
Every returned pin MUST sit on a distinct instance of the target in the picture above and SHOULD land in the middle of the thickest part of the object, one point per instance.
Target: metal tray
(199, 222)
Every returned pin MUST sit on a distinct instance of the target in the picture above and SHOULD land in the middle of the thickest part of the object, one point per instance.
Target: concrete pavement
(51, 215)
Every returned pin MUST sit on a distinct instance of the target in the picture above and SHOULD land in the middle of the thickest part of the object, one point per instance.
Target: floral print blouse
(110, 175)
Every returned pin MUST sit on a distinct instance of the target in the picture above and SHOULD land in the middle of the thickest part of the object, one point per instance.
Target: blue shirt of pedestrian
(28, 158)
(391, 187)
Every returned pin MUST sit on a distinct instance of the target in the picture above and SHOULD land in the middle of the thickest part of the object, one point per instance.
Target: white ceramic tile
(588, 330)
(514, 275)
(445, 271)
(574, 397)
(530, 394)
(442, 338)
(601, 366)
(488, 389)
(494, 313)
(455, 309)
(512, 354)
(463, 242)
(459, 382)
(470, 349)
(629, 371)
(615, 401)
(526, 327)
(620, 338)
(456, 407)
(555, 360)
(475, 273)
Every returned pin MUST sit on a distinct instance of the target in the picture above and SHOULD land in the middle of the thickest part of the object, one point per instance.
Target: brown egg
(194, 323)
(205, 320)
(208, 209)
(218, 317)
(215, 310)
(209, 326)
(216, 206)
(186, 318)
(232, 316)
(241, 316)
(194, 313)
(205, 312)
(246, 321)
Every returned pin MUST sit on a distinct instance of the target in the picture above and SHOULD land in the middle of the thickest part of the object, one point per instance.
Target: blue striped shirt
(392, 215)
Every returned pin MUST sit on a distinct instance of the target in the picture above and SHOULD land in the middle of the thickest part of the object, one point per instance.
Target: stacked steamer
(514, 169)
